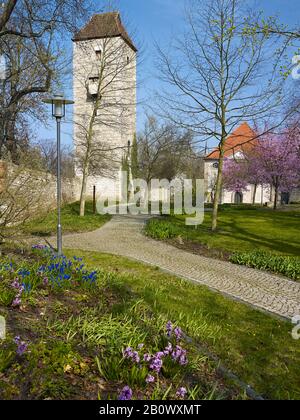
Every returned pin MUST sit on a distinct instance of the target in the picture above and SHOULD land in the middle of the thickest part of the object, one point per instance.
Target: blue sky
(158, 20)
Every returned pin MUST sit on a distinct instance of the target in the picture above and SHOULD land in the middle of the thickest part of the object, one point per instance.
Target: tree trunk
(83, 190)
(218, 191)
(86, 165)
(275, 198)
(254, 194)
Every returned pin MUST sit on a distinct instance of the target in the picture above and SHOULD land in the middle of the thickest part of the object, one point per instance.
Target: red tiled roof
(243, 139)
(105, 25)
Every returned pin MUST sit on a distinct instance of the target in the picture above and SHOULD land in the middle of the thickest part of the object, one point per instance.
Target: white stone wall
(262, 195)
(115, 124)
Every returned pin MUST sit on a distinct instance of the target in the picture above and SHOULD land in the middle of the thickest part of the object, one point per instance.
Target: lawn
(241, 229)
(77, 327)
(254, 345)
(71, 221)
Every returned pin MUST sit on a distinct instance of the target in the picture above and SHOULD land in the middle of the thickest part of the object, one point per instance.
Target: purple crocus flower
(150, 379)
(160, 355)
(126, 394)
(179, 354)
(16, 302)
(181, 393)
(140, 346)
(156, 364)
(147, 357)
(22, 346)
(178, 333)
(168, 349)
(135, 357)
(169, 328)
(128, 352)
(15, 284)
(183, 360)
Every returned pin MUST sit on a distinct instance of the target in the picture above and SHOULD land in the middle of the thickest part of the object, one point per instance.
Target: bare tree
(31, 66)
(218, 74)
(34, 18)
(47, 151)
(165, 151)
(31, 37)
(105, 74)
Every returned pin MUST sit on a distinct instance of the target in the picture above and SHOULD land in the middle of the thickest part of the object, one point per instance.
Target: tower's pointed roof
(104, 25)
(243, 139)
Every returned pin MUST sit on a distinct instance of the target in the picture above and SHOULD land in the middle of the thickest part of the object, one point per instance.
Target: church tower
(104, 84)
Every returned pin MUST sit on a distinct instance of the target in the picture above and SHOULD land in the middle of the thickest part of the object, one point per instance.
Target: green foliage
(7, 356)
(282, 264)
(47, 362)
(161, 229)
(6, 294)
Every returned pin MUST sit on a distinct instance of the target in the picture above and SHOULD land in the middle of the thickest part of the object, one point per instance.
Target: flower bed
(282, 264)
(78, 333)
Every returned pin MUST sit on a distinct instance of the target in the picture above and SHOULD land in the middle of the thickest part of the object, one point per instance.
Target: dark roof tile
(105, 25)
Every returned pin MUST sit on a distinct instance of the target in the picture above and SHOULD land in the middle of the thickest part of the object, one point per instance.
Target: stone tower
(104, 85)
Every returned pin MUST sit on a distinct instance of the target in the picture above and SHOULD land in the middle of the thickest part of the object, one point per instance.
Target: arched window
(238, 198)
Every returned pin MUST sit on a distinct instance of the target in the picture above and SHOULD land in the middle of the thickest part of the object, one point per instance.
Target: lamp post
(58, 103)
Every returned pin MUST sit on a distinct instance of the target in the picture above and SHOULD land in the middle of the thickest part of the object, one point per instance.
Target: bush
(161, 229)
(282, 264)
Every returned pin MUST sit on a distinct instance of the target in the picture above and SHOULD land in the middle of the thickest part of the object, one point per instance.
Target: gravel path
(123, 236)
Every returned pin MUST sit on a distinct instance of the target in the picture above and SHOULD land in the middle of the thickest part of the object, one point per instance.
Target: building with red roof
(238, 144)
(241, 141)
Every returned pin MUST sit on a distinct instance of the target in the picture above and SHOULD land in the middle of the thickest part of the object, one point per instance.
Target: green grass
(257, 347)
(71, 221)
(239, 229)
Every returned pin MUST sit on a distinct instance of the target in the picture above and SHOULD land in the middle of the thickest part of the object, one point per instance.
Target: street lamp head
(58, 102)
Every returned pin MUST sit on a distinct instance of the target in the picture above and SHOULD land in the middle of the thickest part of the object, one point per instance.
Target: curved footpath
(123, 236)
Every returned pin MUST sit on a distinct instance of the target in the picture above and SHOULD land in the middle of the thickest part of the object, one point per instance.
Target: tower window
(98, 54)
(94, 79)
(93, 86)
(128, 60)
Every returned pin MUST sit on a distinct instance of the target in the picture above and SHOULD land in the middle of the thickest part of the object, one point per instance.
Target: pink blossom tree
(279, 161)
(275, 161)
(235, 175)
